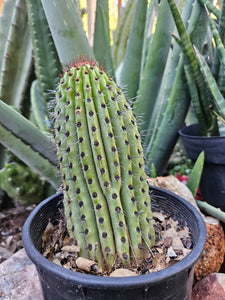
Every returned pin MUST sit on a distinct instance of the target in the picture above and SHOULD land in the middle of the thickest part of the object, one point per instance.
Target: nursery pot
(174, 282)
(212, 184)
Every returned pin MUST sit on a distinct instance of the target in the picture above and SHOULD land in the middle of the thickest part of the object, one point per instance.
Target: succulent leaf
(32, 146)
(47, 65)
(132, 61)
(102, 37)
(38, 108)
(67, 30)
(210, 6)
(17, 60)
(121, 34)
(153, 70)
(5, 24)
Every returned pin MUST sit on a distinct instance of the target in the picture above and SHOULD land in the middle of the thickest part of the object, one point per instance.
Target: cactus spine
(106, 199)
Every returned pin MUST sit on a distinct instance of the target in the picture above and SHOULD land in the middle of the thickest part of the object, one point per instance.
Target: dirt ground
(11, 224)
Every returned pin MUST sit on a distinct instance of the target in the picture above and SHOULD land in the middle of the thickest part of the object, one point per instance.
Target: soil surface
(173, 243)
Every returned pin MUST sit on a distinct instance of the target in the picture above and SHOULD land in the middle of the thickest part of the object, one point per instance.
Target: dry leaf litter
(173, 243)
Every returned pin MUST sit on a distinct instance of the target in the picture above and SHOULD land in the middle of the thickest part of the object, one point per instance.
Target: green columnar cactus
(106, 198)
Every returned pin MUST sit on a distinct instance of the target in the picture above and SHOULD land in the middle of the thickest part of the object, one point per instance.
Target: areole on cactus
(106, 195)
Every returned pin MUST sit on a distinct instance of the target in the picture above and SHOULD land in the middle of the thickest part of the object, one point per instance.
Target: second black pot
(212, 184)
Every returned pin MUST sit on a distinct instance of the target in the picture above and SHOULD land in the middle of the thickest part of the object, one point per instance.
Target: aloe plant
(106, 198)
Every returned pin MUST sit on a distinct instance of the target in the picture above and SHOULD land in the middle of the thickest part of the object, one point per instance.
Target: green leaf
(5, 24)
(189, 52)
(38, 107)
(196, 173)
(210, 6)
(152, 74)
(153, 171)
(162, 143)
(28, 143)
(121, 34)
(67, 31)
(220, 54)
(47, 65)
(132, 61)
(17, 60)
(211, 83)
(102, 47)
(195, 98)
(30, 157)
(173, 99)
(24, 130)
(221, 29)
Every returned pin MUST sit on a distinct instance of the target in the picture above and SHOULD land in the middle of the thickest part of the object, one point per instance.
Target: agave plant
(205, 71)
(40, 37)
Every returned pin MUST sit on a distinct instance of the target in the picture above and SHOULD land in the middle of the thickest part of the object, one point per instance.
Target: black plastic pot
(58, 283)
(212, 184)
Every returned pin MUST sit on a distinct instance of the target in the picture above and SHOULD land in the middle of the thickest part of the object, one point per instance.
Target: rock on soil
(19, 279)
(173, 185)
(212, 256)
(211, 287)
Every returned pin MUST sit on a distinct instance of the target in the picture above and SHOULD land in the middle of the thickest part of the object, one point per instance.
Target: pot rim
(103, 282)
(196, 125)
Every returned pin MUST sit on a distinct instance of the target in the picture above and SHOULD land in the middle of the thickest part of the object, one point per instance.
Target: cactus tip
(82, 61)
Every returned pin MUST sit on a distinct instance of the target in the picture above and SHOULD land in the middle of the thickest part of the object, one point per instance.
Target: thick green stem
(102, 165)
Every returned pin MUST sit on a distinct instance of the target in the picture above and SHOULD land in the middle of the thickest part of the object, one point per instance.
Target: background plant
(41, 37)
(205, 72)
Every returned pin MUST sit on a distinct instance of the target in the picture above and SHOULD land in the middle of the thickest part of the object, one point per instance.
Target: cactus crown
(106, 198)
